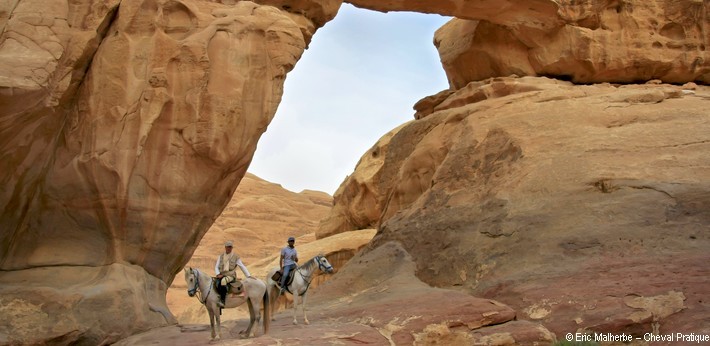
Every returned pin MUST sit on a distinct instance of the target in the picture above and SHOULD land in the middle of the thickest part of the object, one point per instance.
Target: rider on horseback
(288, 260)
(226, 270)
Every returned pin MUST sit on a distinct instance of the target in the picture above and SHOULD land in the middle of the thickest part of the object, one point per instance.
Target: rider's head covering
(228, 243)
(291, 239)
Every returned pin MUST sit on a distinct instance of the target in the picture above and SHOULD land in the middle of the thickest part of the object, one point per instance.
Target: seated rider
(288, 260)
(226, 270)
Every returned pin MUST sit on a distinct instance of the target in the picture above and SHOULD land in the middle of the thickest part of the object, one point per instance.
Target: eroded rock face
(582, 207)
(125, 127)
(526, 14)
(359, 202)
(581, 41)
(125, 130)
(90, 305)
(407, 311)
(317, 11)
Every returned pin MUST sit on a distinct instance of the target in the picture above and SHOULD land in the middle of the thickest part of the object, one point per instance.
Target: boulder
(581, 207)
(125, 131)
(582, 41)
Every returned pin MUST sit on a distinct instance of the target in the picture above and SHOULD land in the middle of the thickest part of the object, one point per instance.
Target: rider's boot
(222, 296)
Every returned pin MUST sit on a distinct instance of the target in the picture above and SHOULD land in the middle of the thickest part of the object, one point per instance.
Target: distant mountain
(259, 219)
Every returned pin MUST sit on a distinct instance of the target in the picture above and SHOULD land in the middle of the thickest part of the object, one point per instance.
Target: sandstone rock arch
(107, 108)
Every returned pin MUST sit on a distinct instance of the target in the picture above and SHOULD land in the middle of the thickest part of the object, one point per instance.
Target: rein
(321, 266)
(195, 289)
(309, 279)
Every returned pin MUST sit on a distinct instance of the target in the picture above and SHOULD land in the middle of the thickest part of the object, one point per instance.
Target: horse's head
(323, 264)
(192, 281)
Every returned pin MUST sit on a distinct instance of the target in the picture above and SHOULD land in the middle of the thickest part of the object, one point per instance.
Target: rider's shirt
(289, 254)
(234, 261)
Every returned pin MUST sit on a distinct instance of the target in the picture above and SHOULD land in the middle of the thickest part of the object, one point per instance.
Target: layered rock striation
(582, 207)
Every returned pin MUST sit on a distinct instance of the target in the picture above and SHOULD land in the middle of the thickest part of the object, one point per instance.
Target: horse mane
(310, 264)
(195, 272)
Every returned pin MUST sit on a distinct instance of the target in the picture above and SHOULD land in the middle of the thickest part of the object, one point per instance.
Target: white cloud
(359, 79)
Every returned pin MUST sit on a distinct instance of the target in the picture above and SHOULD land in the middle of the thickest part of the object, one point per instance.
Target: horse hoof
(306, 322)
(295, 322)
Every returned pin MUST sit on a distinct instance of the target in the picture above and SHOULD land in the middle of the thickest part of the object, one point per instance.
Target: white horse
(302, 277)
(255, 293)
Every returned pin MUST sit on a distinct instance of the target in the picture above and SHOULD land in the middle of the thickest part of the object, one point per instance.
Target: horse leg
(219, 325)
(303, 303)
(257, 309)
(256, 313)
(247, 333)
(295, 306)
(211, 323)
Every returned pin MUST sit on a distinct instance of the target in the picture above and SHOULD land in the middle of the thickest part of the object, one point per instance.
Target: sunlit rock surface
(124, 130)
(555, 198)
(125, 127)
(582, 41)
(359, 201)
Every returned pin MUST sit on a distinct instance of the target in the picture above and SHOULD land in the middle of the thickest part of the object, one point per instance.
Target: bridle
(322, 266)
(193, 291)
(309, 278)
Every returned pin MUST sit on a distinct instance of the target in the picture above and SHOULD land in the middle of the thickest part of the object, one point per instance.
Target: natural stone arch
(582, 41)
(98, 155)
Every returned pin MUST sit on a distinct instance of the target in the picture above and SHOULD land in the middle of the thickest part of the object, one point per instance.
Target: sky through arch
(360, 77)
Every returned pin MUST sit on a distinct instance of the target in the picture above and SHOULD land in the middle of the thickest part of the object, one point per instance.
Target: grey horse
(255, 294)
(302, 277)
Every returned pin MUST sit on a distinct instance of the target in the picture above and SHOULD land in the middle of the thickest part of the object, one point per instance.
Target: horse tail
(271, 291)
(267, 312)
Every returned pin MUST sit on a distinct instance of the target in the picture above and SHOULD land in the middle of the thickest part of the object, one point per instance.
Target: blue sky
(359, 79)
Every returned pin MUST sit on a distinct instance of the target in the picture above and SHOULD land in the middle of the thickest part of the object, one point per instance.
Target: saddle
(277, 277)
(235, 287)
